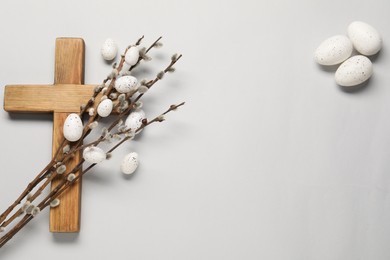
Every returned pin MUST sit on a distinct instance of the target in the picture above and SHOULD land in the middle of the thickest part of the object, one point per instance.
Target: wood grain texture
(65, 217)
(69, 64)
(69, 69)
(46, 98)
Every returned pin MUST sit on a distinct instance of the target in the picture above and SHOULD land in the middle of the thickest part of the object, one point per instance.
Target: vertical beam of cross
(69, 69)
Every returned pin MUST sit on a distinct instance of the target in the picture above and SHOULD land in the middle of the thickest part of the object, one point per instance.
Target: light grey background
(269, 159)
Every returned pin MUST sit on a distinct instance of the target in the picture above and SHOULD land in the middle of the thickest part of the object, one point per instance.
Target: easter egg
(134, 120)
(109, 49)
(105, 107)
(333, 50)
(130, 163)
(94, 154)
(354, 71)
(365, 38)
(73, 128)
(132, 55)
(125, 84)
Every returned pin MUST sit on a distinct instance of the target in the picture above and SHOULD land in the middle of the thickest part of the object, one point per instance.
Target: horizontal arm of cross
(46, 98)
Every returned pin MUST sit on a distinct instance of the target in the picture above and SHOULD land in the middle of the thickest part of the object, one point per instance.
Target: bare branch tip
(139, 40)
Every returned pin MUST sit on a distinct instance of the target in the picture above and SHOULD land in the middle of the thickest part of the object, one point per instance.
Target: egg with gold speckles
(73, 128)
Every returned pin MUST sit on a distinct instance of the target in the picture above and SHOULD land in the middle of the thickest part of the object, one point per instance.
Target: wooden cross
(62, 98)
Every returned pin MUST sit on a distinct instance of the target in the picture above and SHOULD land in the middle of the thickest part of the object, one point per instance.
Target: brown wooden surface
(69, 69)
(65, 96)
(65, 217)
(46, 98)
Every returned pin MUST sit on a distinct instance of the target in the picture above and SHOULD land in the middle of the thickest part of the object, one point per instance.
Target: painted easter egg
(365, 38)
(125, 84)
(94, 154)
(354, 71)
(73, 128)
(109, 49)
(333, 50)
(105, 107)
(134, 120)
(132, 55)
(130, 163)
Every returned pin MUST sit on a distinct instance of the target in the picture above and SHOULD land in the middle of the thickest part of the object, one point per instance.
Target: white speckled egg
(73, 128)
(125, 84)
(109, 49)
(130, 163)
(132, 55)
(365, 38)
(134, 120)
(94, 154)
(354, 71)
(105, 107)
(333, 50)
